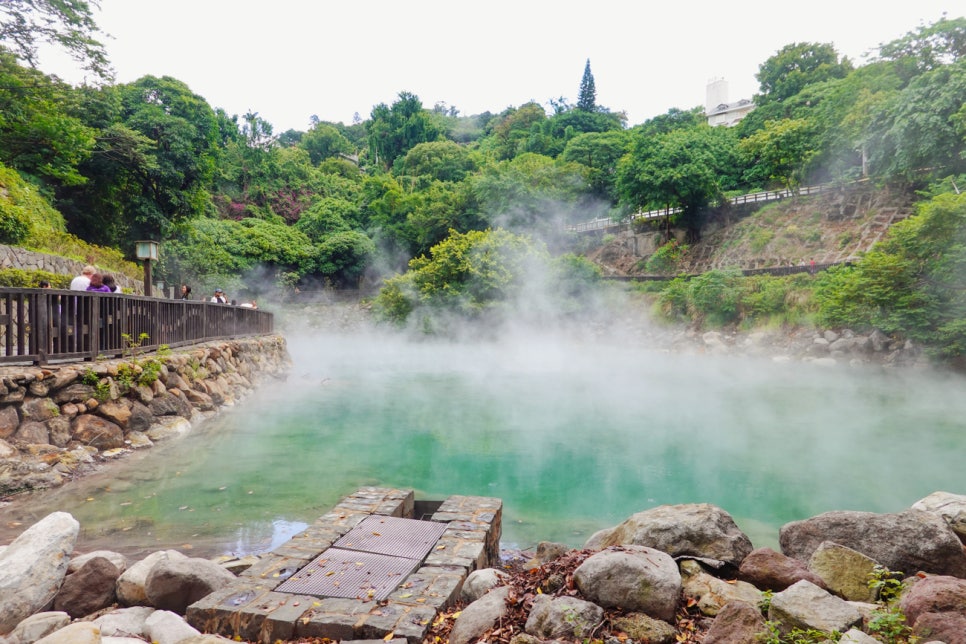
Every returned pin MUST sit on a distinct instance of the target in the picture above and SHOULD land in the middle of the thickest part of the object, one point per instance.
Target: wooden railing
(40, 326)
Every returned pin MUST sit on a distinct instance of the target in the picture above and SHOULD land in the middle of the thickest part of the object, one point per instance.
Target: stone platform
(256, 608)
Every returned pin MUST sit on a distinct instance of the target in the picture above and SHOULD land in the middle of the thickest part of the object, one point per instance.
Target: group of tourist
(218, 297)
(91, 280)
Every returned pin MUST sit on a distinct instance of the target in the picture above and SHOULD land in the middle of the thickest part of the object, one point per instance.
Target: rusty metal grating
(350, 574)
(409, 538)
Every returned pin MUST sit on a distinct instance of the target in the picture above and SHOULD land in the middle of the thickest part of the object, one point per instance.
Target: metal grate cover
(394, 536)
(353, 575)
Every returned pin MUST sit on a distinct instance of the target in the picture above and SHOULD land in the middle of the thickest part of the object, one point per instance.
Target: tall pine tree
(588, 92)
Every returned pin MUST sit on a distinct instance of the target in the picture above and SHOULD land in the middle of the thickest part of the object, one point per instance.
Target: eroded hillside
(830, 227)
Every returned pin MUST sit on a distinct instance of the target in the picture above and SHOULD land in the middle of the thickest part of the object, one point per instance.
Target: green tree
(466, 274)
(794, 66)
(38, 134)
(324, 141)
(395, 130)
(344, 256)
(509, 132)
(922, 129)
(440, 160)
(599, 152)
(68, 24)
(781, 152)
(587, 97)
(927, 48)
(910, 284)
(685, 168)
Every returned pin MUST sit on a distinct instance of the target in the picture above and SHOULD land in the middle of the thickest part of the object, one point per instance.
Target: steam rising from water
(575, 428)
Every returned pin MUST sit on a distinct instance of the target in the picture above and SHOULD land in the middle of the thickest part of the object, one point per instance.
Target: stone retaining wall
(62, 420)
(27, 260)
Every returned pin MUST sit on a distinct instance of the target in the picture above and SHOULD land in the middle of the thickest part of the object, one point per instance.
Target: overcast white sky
(290, 59)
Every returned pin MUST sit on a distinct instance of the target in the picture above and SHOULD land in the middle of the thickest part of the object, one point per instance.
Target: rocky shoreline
(61, 422)
(681, 573)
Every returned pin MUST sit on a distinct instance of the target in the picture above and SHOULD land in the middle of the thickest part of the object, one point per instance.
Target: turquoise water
(572, 436)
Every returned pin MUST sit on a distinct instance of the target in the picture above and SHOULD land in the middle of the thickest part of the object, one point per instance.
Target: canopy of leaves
(797, 65)
(68, 24)
(465, 274)
(395, 130)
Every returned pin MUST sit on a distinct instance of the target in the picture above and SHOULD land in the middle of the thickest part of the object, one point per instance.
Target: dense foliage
(234, 202)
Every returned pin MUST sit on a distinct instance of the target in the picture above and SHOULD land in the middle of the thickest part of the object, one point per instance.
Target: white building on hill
(717, 108)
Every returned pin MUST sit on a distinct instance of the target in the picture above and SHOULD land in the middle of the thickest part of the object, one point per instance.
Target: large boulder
(563, 618)
(97, 432)
(907, 542)
(39, 625)
(769, 570)
(174, 584)
(130, 585)
(480, 616)
(951, 507)
(713, 594)
(32, 568)
(844, 571)
(696, 530)
(804, 605)
(936, 594)
(634, 578)
(480, 582)
(737, 623)
(89, 589)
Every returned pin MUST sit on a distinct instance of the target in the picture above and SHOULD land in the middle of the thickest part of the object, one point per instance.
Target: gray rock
(804, 605)
(33, 567)
(635, 578)
(124, 622)
(480, 616)
(643, 628)
(696, 529)
(844, 571)
(168, 427)
(855, 636)
(951, 507)
(711, 593)
(130, 585)
(165, 627)
(174, 584)
(737, 623)
(908, 542)
(115, 558)
(76, 633)
(479, 582)
(34, 433)
(39, 409)
(39, 625)
(563, 617)
(58, 430)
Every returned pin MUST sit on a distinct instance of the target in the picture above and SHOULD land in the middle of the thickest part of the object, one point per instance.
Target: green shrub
(18, 278)
(667, 258)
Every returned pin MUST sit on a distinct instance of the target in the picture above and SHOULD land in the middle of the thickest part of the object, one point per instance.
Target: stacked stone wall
(62, 420)
(27, 260)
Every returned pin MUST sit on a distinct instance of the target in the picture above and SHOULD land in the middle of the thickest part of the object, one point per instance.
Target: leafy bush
(466, 274)
(667, 258)
(911, 284)
(714, 296)
(17, 278)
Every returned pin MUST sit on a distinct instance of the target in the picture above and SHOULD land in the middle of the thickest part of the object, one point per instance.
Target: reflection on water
(573, 437)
